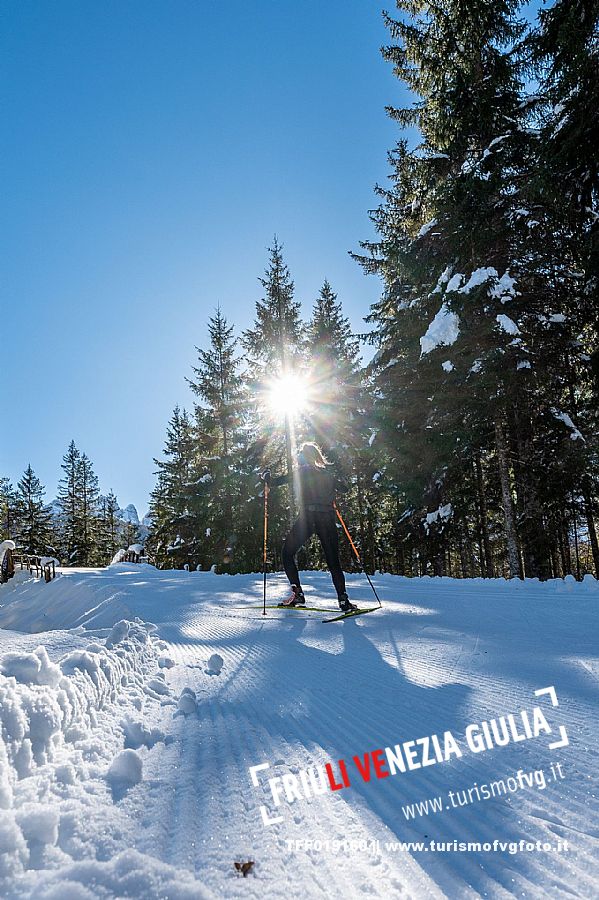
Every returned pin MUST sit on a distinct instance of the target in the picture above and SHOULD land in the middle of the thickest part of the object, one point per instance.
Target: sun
(287, 395)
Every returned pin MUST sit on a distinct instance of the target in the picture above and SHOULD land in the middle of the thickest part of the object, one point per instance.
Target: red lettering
(334, 785)
(344, 775)
(363, 768)
(379, 764)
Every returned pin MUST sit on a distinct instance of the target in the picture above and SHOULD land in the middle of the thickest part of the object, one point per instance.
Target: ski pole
(266, 489)
(357, 555)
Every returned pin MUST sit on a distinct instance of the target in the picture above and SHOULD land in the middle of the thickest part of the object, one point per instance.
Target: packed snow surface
(134, 704)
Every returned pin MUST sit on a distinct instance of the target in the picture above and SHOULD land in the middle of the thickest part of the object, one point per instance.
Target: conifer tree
(175, 540)
(88, 521)
(35, 531)
(470, 327)
(220, 445)
(78, 498)
(9, 517)
(275, 348)
(334, 372)
(69, 502)
(109, 528)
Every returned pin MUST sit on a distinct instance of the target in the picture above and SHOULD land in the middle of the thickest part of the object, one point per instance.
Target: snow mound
(137, 735)
(215, 664)
(126, 769)
(38, 823)
(31, 668)
(187, 701)
(129, 874)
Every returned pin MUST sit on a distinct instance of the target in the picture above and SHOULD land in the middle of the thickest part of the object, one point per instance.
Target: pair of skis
(348, 615)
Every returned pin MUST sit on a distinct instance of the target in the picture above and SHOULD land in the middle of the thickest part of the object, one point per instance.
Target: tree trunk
(483, 513)
(564, 546)
(588, 511)
(508, 503)
(534, 540)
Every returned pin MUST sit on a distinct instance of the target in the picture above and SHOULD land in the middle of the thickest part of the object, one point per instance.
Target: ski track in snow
(294, 692)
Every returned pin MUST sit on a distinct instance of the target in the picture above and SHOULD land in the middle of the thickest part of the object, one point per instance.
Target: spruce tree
(88, 523)
(35, 531)
(333, 373)
(69, 490)
(78, 497)
(275, 350)
(110, 528)
(175, 540)
(220, 444)
(9, 510)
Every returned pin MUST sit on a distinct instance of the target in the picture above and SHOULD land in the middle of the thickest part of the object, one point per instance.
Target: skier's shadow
(365, 703)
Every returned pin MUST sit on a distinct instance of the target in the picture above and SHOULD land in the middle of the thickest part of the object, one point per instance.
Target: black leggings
(323, 524)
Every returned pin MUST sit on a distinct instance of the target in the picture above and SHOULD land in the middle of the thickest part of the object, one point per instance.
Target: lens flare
(287, 395)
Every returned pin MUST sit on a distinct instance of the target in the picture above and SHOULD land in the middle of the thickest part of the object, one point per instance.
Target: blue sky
(152, 150)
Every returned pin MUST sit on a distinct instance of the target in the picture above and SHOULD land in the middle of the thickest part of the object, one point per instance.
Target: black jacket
(315, 488)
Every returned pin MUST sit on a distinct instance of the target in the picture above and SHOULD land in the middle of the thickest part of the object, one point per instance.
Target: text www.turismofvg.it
(477, 793)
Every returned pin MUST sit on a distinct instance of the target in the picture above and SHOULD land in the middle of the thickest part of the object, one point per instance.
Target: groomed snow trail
(295, 693)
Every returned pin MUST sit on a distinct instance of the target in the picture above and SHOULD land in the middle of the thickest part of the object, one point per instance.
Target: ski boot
(344, 604)
(296, 597)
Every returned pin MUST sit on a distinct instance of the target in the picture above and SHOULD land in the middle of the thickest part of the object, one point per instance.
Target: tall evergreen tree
(35, 531)
(220, 443)
(465, 325)
(334, 372)
(110, 536)
(9, 510)
(275, 349)
(69, 488)
(175, 540)
(88, 522)
(78, 498)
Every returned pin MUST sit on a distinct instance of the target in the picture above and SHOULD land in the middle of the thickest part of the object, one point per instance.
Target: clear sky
(151, 151)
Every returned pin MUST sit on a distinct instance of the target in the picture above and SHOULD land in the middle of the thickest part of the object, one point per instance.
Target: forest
(470, 436)
(468, 431)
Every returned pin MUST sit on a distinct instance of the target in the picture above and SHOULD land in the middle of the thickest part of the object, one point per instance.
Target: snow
(205, 479)
(557, 318)
(440, 516)
(4, 546)
(507, 324)
(504, 289)
(123, 778)
(215, 664)
(426, 228)
(454, 282)
(444, 329)
(523, 364)
(478, 277)
(443, 279)
(129, 514)
(126, 769)
(575, 434)
(136, 548)
(447, 366)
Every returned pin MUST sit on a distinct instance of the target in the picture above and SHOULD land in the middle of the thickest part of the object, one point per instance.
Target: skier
(316, 488)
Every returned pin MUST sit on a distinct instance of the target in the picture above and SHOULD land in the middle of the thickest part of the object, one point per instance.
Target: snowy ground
(115, 783)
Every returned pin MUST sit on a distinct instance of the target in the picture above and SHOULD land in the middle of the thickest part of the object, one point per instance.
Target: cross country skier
(316, 488)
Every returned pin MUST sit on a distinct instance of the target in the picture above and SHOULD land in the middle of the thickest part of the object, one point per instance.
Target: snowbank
(55, 719)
